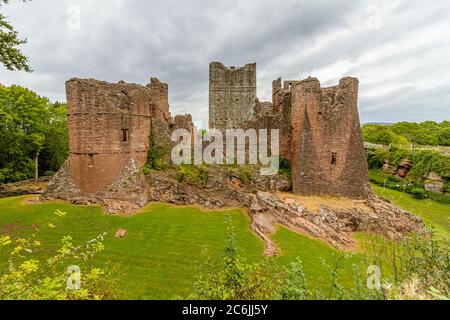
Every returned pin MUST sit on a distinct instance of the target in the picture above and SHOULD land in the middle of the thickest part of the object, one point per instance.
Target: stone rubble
(120, 233)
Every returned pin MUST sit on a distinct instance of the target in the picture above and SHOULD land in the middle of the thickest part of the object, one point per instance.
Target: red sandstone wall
(327, 148)
(98, 112)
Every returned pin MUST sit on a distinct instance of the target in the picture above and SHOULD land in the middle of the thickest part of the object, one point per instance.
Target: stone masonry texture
(327, 149)
(110, 125)
(232, 95)
(319, 130)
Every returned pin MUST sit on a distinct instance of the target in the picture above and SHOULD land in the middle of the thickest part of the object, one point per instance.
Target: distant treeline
(33, 134)
(428, 133)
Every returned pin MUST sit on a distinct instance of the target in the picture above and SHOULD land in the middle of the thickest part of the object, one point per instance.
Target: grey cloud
(175, 41)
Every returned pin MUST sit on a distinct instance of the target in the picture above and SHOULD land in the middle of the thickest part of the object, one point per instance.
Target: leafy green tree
(33, 134)
(10, 56)
(55, 147)
(382, 135)
(426, 133)
(444, 136)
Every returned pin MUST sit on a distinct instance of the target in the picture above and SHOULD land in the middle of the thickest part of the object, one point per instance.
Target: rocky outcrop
(330, 223)
(264, 197)
(434, 182)
(125, 195)
(401, 170)
(404, 167)
(128, 193)
(24, 187)
(62, 185)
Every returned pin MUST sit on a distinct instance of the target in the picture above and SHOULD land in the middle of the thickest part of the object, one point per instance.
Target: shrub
(442, 198)
(28, 276)
(384, 179)
(157, 154)
(286, 169)
(236, 279)
(192, 174)
(416, 267)
(396, 155)
(376, 158)
(425, 161)
(418, 193)
(295, 285)
(146, 169)
(447, 187)
(245, 174)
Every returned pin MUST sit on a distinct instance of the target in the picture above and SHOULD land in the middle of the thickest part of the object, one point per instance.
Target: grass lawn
(434, 214)
(317, 257)
(164, 245)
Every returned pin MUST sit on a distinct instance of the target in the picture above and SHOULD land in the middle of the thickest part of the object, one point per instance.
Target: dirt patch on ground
(13, 228)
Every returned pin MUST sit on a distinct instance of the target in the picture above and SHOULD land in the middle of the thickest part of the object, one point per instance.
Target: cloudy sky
(399, 50)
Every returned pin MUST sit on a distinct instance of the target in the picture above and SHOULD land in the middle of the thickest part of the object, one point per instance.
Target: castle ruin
(319, 128)
(110, 125)
(114, 127)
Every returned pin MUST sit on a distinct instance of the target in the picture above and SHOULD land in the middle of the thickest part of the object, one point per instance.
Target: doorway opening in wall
(125, 135)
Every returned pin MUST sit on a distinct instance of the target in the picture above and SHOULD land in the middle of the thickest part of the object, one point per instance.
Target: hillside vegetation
(428, 133)
(420, 164)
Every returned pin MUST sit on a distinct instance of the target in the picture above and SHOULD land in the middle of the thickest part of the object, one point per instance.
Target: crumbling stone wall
(232, 95)
(110, 125)
(183, 122)
(328, 156)
(319, 133)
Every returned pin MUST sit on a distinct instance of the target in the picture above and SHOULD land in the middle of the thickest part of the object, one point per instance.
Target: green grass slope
(434, 214)
(164, 246)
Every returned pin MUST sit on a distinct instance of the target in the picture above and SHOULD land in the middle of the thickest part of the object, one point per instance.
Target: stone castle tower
(232, 95)
(109, 129)
(327, 149)
(319, 130)
(108, 125)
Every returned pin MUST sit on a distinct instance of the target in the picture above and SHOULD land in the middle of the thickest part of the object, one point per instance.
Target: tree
(55, 147)
(428, 133)
(33, 134)
(382, 135)
(10, 56)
